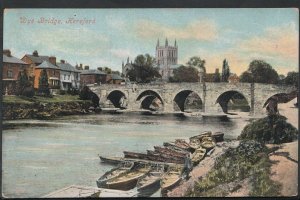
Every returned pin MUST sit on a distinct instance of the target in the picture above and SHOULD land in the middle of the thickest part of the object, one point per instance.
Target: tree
(292, 78)
(43, 83)
(246, 77)
(217, 77)
(143, 70)
(260, 71)
(87, 94)
(197, 62)
(185, 74)
(225, 71)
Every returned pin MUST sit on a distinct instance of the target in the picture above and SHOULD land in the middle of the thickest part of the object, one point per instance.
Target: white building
(69, 76)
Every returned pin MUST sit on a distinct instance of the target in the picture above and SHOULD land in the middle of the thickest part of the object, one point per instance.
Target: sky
(106, 37)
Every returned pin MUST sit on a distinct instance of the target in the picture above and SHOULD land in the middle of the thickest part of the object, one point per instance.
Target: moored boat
(123, 167)
(198, 155)
(128, 180)
(208, 143)
(170, 179)
(175, 146)
(150, 183)
(218, 136)
(172, 149)
(168, 151)
(201, 135)
(195, 143)
(167, 157)
(111, 160)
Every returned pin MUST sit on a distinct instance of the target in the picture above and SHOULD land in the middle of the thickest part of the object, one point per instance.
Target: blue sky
(239, 35)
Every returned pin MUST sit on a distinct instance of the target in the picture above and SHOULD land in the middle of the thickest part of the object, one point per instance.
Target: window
(64, 77)
(9, 74)
(69, 77)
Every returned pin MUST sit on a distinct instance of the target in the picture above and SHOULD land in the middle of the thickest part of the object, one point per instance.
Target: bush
(272, 129)
(28, 92)
(62, 92)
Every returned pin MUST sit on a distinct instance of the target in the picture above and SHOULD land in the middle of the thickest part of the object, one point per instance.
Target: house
(53, 73)
(114, 79)
(92, 77)
(233, 78)
(69, 76)
(33, 60)
(11, 68)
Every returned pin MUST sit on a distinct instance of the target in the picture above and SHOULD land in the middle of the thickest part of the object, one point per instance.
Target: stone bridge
(214, 96)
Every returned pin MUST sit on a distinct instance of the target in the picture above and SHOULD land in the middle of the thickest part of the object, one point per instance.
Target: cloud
(203, 30)
(281, 41)
(123, 53)
(116, 23)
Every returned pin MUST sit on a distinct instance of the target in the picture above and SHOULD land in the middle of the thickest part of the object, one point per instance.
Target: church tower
(166, 56)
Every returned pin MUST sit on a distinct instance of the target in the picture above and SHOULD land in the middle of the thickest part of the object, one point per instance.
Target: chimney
(7, 52)
(35, 53)
(63, 61)
(52, 60)
(86, 67)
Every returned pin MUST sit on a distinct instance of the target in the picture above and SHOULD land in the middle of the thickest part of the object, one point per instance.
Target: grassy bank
(248, 163)
(17, 107)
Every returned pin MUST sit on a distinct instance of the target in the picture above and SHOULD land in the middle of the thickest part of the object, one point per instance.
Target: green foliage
(143, 70)
(43, 89)
(249, 160)
(271, 129)
(87, 94)
(62, 92)
(260, 72)
(246, 77)
(24, 86)
(197, 62)
(292, 78)
(225, 71)
(185, 74)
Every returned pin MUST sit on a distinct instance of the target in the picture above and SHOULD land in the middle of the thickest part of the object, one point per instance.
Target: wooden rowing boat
(170, 179)
(167, 157)
(182, 143)
(208, 143)
(111, 160)
(201, 135)
(198, 155)
(195, 143)
(121, 169)
(150, 183)
(175, 146)
(128, 180)
(170, 151)
(152, 156)
(218, 136)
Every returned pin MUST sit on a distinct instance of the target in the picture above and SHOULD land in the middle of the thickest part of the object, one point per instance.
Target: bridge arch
(281, 97)
(224, 98)
(117, 98)
(148, 98)
(180, 99)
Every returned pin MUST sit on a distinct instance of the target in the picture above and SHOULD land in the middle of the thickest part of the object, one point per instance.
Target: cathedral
(166, 57)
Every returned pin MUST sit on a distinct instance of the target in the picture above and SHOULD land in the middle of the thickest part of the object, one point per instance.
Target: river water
(39, 157)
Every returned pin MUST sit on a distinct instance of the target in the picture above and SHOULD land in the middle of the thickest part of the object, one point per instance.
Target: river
(39, 157)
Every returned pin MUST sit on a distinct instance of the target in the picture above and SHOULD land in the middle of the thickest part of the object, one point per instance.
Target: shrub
(272, 129)
(62, 92)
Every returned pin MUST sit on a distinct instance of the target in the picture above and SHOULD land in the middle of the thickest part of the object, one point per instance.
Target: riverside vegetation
(248, 165)
(38, 107)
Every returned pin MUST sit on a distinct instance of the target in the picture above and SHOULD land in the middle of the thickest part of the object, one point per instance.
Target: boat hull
(149, 189)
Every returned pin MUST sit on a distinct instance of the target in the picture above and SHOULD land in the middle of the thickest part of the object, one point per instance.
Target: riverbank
(276, 176)
(16, 107)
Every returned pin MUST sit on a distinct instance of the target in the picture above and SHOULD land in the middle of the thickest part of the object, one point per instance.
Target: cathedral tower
(166, 56)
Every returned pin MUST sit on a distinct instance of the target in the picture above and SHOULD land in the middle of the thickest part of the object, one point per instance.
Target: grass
(236, 165)
(39, 99)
